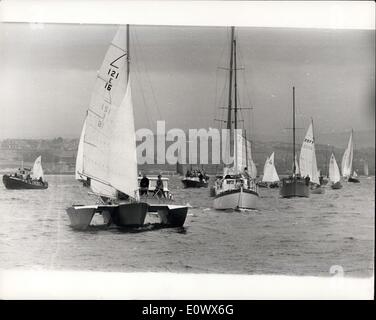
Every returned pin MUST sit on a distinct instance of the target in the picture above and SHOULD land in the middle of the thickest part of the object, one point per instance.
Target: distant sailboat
(294, 186)
(270, 176)
(365, 168)
(308, 162)
(347, 161)
(334, 174)
(27, 179)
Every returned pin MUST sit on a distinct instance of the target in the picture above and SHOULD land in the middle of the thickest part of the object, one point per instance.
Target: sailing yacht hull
(16, 183)
(294, 188)
(236, 199)
(354, 180)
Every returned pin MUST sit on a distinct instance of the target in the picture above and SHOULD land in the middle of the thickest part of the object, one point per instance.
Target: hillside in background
(59, 155)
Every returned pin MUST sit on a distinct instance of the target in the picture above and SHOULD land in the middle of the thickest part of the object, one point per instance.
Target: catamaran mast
(230, 80)
(293, 130)
(128, 60)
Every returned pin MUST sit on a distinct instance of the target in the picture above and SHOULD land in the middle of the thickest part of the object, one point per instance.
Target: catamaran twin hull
(126, 214)
(236, 199)
(17, 183)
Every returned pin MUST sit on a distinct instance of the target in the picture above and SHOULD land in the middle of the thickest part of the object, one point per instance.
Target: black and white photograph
(220, 155)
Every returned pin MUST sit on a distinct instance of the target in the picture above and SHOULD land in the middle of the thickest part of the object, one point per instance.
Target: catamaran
(347, 161)
(107, 155)
(294, 186)
(270, 177)
(334, 174)
(26, 178)
(236, 188)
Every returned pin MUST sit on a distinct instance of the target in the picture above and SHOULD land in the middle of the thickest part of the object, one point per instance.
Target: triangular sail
(250, 163)
(334, 174)
(37, 169)
(307, 159)
(108, 94)
(80, 155)
(297, 169)
(347, 158)
(270, 172)
(365, 168)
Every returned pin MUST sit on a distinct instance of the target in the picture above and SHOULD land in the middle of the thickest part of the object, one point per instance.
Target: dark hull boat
(194, 183)
(351, 179)
(11, 182)
(336, 185)
(293, 187)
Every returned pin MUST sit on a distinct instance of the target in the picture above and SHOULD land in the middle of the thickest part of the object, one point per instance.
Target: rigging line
(143, 61)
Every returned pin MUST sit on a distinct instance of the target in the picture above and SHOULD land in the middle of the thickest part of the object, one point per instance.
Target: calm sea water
(285, 236)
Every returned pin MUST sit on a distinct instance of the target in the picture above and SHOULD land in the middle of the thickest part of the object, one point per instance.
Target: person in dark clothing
(159, 188)
(307, 179)
(144, 186)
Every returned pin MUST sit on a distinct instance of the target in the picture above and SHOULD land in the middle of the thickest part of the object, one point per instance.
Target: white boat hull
(123, 215)
(237, 199)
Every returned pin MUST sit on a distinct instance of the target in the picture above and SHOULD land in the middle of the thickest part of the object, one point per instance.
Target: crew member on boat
(159, 188)
(144, 185)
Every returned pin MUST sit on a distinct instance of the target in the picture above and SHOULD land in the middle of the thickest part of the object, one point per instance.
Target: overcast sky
(48, 72)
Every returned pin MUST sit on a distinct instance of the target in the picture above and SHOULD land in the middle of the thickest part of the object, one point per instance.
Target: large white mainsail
(307, 159)
(347, 158)
(334, 174)
(250, 163)
(37, 169)
(108, 146)
(270, 172)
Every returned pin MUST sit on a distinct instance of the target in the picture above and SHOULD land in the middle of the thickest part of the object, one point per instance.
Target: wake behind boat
(26, 178)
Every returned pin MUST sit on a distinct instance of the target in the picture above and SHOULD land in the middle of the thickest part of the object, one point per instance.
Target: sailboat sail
(347, 158)
(365, 168)
(80, 155)
(307, 159)
(37, 169)
(334, 174)
(297, 169)
(270, 172)
(250, 163)
(108, 107)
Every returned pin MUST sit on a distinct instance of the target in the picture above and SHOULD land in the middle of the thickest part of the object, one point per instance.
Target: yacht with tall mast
(294, 186)
(236, 188)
